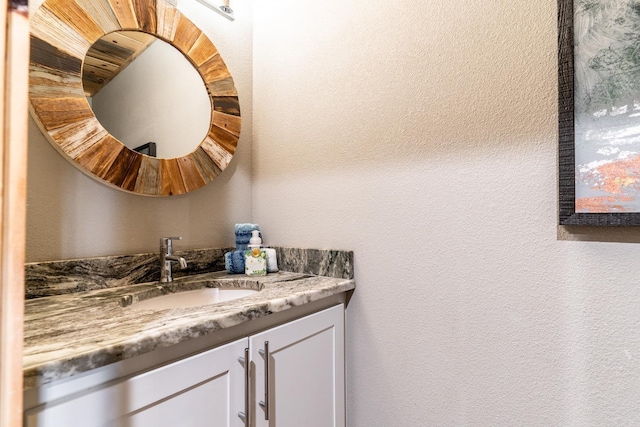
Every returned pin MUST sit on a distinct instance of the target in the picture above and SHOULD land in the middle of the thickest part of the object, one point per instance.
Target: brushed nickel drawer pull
(265, 404)
(247, 407)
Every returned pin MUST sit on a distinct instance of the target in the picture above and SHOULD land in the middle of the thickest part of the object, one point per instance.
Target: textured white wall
(422, 135)
(71, 215)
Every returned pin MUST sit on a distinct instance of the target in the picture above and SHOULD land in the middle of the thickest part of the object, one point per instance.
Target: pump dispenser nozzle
(255, 240)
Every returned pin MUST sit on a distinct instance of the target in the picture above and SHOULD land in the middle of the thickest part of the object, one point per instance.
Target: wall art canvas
(605, 110)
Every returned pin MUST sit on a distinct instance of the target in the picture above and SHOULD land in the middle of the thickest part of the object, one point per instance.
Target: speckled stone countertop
(74, 332)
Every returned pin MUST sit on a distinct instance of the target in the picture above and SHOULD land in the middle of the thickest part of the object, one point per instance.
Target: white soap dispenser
(255, 258)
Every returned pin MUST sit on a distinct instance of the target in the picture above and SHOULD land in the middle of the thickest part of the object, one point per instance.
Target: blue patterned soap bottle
(255, 258)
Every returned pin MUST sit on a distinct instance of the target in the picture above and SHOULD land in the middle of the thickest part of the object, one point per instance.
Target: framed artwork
(599, 112)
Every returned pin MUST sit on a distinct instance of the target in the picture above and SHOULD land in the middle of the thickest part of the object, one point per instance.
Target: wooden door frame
(14, 71)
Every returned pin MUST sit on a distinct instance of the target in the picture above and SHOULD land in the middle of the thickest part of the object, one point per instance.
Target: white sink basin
(195, 298)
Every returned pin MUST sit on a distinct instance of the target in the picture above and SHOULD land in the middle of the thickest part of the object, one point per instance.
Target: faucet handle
(166, 241)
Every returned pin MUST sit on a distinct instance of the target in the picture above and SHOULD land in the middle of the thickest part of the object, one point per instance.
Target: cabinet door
(202, 390)
(305, 372)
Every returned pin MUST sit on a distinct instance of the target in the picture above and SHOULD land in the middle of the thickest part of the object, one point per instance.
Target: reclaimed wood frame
(566, 144)
(62, 31)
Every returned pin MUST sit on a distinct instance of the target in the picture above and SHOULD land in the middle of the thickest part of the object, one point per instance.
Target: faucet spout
(167, 257)
(180, 260)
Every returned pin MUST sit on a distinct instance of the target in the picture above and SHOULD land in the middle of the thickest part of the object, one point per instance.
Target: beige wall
(422, 135)
(71, 215)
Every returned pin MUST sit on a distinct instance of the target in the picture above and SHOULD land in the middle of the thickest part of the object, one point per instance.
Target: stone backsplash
(77, 275)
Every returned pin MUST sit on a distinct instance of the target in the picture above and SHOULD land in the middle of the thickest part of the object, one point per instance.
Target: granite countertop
(75, 332)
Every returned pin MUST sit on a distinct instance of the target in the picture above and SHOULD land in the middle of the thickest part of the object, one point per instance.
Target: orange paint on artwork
(615, 176)
(618, 179)
(601, 204)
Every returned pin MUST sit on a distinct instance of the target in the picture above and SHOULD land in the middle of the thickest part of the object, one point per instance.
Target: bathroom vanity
(275, 357)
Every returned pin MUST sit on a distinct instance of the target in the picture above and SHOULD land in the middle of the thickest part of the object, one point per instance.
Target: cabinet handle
(265, 404)
(247, 407)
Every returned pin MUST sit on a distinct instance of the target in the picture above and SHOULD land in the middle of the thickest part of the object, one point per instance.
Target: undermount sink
(193, 298)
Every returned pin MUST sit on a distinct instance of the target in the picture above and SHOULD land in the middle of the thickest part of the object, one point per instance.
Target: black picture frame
(149, 149)
(566, 131)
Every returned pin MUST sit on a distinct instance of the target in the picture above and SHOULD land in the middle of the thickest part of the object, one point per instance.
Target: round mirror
(63, 32)
(146, 94)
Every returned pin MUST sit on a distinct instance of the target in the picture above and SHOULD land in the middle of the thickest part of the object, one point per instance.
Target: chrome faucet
(167, 257)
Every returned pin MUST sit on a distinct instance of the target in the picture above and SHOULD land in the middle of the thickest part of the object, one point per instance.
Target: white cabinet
(304, 366)
(203, 390)
(305, 362)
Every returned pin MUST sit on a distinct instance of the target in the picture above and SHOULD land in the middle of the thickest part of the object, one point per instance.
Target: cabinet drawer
(210, 384)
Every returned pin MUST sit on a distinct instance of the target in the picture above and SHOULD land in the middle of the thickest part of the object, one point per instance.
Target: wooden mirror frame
(62, 31)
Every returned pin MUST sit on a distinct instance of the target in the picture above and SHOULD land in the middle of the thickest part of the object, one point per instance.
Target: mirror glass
(143, 90)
